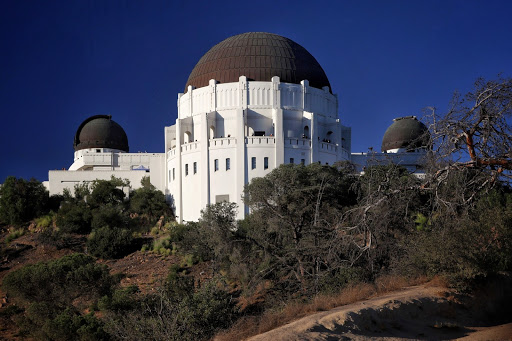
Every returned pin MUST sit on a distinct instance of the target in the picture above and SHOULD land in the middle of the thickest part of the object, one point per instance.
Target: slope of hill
(419, 312)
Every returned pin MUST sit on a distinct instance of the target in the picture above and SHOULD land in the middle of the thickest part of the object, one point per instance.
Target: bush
(177, 314)
(122, 299)
(50, 291)
(108, 216)
(106, 192)
(45, 221)
(59, 282)
(150, 204)
(463, 246)
(74, 217)
(109, 243)
(21, 200)
(69, 325)
(14, 235)
(162, 246)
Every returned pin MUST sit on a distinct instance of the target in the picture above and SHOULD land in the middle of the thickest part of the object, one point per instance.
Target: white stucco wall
(226, 121)
(90, 165)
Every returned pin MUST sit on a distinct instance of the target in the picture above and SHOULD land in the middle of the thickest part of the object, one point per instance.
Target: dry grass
(254, 325)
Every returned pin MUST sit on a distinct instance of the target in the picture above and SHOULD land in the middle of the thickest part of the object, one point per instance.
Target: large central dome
(259, 56)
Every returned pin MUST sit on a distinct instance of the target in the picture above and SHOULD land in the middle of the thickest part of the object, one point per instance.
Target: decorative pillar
(204, 169)
(240, 160)
(178, 198)
(277, 118)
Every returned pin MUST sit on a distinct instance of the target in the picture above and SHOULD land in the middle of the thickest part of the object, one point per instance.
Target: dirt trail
(420, 312)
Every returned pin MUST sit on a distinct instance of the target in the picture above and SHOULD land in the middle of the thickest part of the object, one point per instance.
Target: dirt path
(419, 312)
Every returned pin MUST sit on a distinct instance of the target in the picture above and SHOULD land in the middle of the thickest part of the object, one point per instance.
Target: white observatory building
(252, 102)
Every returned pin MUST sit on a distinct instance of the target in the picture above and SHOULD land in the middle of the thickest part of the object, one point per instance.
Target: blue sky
(63, 61)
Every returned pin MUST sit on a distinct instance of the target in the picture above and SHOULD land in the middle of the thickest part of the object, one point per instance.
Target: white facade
(103, 163)
(228, 134)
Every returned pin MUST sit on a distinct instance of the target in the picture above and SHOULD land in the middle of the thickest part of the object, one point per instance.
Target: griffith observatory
(253, 102)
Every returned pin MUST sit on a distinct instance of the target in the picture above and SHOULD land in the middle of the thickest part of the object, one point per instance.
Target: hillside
(419, 312)
(146, 270)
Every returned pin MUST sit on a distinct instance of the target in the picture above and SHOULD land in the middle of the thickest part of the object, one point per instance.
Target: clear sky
(63, 61)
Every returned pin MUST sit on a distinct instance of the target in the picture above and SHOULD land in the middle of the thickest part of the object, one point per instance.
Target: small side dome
(405, 132)
(100, 131)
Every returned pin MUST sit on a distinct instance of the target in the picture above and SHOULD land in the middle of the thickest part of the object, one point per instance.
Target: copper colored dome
(405, 132)
(259, 56)
(100, 132)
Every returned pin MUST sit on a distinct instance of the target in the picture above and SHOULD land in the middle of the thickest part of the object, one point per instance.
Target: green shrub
(69, 325)
(22, 200)
(59, 282)
(14, 235)
(182, 314)
(53, 237)
(45, 221)
(121, 299)
(74, 217)
(108, 216)
(109, 243)
(50, 291)
(149, 203)
(162, 246)
(189, 260)
(106, 192)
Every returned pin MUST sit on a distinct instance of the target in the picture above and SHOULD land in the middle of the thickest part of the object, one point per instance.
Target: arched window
(328, 137)
(212, 132)
(188, 137)
(306, 132)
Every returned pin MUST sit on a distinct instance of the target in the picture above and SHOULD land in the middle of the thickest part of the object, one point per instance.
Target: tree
(74, 217)
(22, 200)
(295, 210)
(477, 130)
(106, 192)
(150, 204)
(388, 199)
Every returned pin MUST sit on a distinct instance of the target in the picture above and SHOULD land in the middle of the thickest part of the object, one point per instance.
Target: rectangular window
(169, 175)
(265, 163)
(186, 169)
(228, 164)
(292, 161)
(303, 161)
(253, 162)
(222, 198)
(216, 164)
(195, 167)
(173, 174)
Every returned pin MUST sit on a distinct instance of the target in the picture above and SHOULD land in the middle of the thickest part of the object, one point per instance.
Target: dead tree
(477, 130)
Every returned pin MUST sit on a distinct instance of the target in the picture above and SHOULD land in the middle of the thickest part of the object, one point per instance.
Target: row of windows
(228, 165)
(302, 161)
(265, 162)
(216, 164)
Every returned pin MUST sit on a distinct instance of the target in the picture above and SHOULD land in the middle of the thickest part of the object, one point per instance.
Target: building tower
(253, 102)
